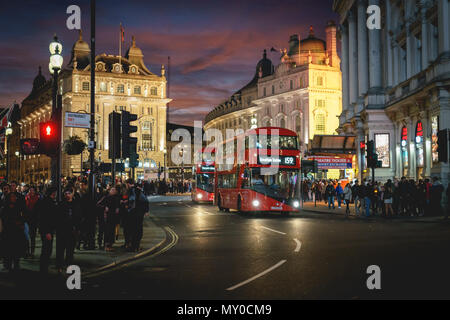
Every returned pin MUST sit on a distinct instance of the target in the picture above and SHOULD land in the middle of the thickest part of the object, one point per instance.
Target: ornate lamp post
(55, 64)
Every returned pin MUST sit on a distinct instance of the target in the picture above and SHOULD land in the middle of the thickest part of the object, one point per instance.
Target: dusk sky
(214, 45)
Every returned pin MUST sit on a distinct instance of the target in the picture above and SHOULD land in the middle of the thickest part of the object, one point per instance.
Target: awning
(326, 144)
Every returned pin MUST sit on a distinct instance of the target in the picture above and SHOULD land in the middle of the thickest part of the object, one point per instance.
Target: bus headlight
(199, 196)
(255, 203)
(296, 204)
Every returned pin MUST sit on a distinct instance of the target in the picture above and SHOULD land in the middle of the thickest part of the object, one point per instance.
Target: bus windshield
(281, 186)
(205, 181)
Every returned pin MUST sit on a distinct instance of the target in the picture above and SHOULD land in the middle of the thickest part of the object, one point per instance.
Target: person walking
(12, 232)
(31, 199)
(47, 213)
(388, 195)
(339, 194)
(137, 208)
(111, 216)
(436, 196)
(68, 223)
(366, 193)
(330, 193)
(347, 198)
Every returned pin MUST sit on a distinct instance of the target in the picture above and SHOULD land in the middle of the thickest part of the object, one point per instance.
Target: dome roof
(312, 43)
(81, 45)
(264, 65)
(39, 80)
(133, 50)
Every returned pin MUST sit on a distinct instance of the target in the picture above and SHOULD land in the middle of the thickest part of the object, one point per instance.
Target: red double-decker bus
(247, 184)
(203, 182)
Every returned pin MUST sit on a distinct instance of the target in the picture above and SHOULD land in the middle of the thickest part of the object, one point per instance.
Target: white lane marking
(273, 230)
(299, 245)
(257, 276)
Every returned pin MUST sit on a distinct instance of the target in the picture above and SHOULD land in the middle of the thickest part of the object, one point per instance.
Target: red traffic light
(362, 145)
(49, 138)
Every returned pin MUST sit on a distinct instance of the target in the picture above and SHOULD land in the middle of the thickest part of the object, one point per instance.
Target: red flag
(122, 32)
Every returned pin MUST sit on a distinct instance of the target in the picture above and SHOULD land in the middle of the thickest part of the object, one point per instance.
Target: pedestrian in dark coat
(68, 223)
(13, 241)
(47, 212)
(111, 210)
(137, 208)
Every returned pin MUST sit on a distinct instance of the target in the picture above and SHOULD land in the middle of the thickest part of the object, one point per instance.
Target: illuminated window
(120, 88)
(154, 91)
(85, 86)
(320, 81)
(320, 123)
(137, 90)
(102, 87)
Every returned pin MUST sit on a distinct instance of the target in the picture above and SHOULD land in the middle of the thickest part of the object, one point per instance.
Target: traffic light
(443, 145)
(114, 135)
(128, 143)
(372, 157)
(50, 138)
(133, 163)
(29, 146)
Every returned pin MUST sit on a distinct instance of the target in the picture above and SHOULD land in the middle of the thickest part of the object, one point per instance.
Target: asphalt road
(220, 255)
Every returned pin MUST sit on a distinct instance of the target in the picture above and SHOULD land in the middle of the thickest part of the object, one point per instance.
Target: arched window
(282, 123)
(297, 124)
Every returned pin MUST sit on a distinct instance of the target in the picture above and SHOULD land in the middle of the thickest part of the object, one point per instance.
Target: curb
(379, 218)
(153, 251)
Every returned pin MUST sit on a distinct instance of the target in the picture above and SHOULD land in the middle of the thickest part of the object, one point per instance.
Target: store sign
(281, 161)
(207, 168)
(325, 163)
(77, 120)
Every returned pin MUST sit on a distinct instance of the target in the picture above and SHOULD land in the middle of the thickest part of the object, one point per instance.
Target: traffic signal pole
(92, 123)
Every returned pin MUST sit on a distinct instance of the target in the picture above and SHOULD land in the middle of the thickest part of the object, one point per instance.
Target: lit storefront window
(434, 138)
(383, 149)
(404, 147)
(419, 144)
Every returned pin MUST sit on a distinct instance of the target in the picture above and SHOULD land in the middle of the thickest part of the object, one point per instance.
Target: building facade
(302, 93)
(396, 83)
(122, 83)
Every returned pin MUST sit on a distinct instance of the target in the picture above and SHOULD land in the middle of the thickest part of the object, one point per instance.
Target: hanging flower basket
(74, 145)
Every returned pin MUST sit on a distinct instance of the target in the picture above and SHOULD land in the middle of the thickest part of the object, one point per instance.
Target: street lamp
(8, 132)
(55, 64)
(17, 153)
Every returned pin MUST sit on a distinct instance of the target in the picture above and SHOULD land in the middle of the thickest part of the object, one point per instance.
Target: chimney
(332, 44)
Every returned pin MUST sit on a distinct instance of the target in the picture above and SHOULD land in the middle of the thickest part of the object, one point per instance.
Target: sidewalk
(91, 261)
(169, 198)
(322, 208)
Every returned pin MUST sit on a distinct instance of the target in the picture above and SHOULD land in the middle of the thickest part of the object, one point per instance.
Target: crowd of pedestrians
(79, 221)
(394, 198)
(162, 187)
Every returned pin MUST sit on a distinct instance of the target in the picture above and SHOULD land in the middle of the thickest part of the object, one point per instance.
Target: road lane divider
(299, 245)
(259, 275)
(276, 231)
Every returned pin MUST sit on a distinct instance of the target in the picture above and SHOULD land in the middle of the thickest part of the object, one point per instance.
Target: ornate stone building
(303, 92)
(122, 83)
(396, 83)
